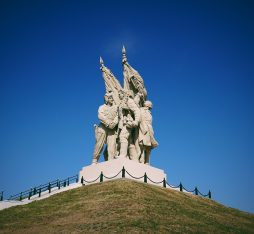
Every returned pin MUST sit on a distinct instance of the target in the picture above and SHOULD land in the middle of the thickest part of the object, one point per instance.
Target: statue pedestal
(113, 170)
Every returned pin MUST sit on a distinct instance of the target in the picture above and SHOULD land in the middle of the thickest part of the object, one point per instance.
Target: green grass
(123, 206)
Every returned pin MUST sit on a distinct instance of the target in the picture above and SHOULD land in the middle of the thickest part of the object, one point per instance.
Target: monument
(125, 133)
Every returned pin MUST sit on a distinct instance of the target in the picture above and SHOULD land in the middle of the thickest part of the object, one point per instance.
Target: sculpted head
(148, 104)
(121, 94)
(108, 99)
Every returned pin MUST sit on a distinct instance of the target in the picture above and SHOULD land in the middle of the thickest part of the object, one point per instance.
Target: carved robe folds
(146, 134)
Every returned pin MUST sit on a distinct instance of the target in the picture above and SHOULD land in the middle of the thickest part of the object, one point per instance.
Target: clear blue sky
(197, 61)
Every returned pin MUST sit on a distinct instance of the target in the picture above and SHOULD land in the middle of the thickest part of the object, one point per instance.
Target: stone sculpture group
(125, 117)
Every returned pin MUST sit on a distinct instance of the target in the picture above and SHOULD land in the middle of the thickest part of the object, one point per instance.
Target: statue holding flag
(126, 119)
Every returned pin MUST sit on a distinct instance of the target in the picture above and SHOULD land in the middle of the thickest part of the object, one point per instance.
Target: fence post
(65, 183)
(58, 184)
(164, 183)
(30, 194)
(181, 187)
(68, 181)
(123, 172)
(82, 180)
(2, 196)
(35, 191)
(209, 194)
(145, 178)
(49, 187)
(196, 191)
(76, 178)
(20, 197)
(101, 177)
(39, 192)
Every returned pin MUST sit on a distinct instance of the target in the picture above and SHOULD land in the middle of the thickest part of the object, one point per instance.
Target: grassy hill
(124, 206)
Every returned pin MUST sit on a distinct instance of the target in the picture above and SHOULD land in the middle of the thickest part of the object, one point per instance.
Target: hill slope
(124, 206)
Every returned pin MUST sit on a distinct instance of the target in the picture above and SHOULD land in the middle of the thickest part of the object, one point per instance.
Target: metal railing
(146, 178)
(38, 190)
(2, 196)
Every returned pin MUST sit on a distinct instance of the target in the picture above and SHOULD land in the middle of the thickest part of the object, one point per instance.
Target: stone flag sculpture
(125, 117)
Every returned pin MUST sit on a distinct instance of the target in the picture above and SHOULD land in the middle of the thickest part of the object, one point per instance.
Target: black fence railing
(2, 196)
(38, 190)
(146, 178)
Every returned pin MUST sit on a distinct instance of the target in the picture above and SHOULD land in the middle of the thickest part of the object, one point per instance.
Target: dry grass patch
(124, 206)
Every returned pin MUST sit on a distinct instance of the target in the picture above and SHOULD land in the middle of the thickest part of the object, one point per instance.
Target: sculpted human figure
(146, 135)
(125, 118)
(129, 120)
(106, 131)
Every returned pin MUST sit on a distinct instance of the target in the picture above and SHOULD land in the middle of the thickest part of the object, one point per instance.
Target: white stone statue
(129, 118)
(146, 135)
(106, 131)
(126, 119)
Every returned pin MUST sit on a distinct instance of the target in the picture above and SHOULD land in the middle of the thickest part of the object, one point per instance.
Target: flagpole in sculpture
(133, 81)
(112, 85)
(125, 130)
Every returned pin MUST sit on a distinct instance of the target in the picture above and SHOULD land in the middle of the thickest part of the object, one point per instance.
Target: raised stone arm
(114, 122)
(134, 108)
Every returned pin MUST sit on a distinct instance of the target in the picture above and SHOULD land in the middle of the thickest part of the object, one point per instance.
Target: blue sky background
(197, 61)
